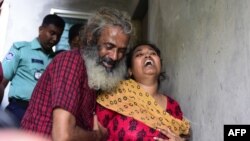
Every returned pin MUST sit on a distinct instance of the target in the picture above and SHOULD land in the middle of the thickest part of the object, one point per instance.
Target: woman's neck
(150, 86)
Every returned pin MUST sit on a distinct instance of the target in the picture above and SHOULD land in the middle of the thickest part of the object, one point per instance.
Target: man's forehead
(143, 47)
(114, 35)
(112, 29)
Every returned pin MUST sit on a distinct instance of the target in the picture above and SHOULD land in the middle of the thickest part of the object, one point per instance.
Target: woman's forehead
(142, 47)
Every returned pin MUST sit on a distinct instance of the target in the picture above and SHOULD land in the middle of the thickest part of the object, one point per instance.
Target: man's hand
(100, 130)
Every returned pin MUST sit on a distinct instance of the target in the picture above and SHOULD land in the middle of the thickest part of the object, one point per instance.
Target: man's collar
(35, 44)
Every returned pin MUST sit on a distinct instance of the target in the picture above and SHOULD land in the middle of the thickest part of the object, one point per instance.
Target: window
(70, 18)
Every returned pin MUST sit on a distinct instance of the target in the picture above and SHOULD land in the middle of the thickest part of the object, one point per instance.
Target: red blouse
(123, 128)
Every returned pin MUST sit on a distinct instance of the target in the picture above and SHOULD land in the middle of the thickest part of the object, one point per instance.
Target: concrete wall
(206, 48)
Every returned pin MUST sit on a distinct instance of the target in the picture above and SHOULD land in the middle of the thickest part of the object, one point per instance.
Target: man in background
(74, 35)
(25, 63)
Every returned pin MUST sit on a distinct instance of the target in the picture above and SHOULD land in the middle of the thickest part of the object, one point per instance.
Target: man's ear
(89, 38)
(40, 29)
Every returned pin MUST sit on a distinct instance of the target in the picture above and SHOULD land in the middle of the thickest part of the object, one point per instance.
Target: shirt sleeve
(66, 78)
(10, 62)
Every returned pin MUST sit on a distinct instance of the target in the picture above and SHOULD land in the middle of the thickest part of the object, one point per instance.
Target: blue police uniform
(23, 66)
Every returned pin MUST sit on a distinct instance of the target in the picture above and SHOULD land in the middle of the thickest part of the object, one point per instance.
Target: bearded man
(63, 101)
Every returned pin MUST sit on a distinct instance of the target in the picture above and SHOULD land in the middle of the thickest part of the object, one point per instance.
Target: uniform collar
(35, 44)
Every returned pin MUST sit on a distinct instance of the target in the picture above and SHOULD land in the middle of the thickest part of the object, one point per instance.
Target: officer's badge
(38, 74)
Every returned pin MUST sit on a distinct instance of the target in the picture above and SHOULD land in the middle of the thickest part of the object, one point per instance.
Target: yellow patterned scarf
(130, 100)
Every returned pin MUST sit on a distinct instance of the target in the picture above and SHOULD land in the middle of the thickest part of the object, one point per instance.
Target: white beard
(98, 77)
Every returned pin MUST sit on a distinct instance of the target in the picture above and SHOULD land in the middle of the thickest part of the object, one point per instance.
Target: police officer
(25, 63)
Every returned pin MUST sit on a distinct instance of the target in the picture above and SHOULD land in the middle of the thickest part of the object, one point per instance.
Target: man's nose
(114, 54)
(55, 38)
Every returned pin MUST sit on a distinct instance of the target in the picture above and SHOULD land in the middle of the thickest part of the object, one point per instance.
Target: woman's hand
(171, 136)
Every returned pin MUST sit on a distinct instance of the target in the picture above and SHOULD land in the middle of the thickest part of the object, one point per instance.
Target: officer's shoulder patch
(21, 44)
(9, 56)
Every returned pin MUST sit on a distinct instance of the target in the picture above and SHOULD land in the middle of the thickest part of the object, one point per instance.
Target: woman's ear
(129, 73)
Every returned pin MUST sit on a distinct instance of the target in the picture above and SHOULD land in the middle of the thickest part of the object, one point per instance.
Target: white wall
(206, 46)
(4, 16)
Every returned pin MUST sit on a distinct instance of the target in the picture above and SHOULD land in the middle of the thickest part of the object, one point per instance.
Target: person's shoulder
(21, 44)
(67, 54)
(69, 59)
(58, 52)
(172, 100)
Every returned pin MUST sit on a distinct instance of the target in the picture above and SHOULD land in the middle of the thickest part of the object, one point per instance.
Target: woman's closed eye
(139, 54)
